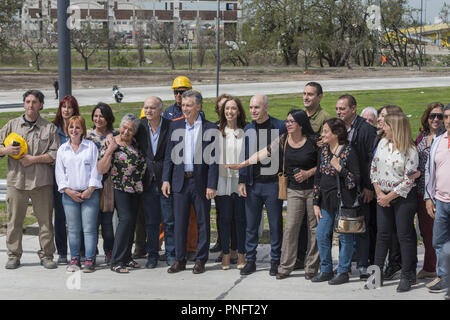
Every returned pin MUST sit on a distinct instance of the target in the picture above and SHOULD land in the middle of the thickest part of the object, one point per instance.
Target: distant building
(131, 16)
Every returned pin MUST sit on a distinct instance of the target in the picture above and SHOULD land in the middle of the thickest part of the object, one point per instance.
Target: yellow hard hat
(142, 114)
(181, 82)
(14, 137)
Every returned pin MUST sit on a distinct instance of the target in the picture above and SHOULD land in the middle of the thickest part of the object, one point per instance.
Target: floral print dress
(127, 168)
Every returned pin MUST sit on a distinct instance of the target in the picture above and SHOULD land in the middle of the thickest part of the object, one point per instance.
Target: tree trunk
(38, 66)
(85, 63)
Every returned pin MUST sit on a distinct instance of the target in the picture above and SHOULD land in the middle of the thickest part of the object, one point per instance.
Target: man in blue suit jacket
(191, 178)
(259, 185)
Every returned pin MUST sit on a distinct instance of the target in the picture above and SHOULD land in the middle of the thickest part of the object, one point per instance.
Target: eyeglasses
(289, 121)
(439, 116)
(177, 92)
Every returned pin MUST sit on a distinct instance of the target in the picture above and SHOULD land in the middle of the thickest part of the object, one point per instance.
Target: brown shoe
(198, 268)
(309, 276)
(241, 261)
(226, 261)
(177, 267)
(281, 276)
(425, 274)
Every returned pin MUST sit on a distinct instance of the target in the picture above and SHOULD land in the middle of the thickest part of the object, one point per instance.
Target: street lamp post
(420, 36)
(64, 62)
(218, 48)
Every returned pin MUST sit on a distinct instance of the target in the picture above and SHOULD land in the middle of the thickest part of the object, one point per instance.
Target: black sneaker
(438, 287)
(216, 248)
(249, 268)
(89, 266)
(405, 284)
(392, 272)
(322, 277)
(274, 268)
(340, 278)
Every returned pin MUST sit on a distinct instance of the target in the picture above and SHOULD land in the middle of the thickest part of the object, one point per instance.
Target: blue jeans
(105, 220)
(158, 208)
(324, 233)
(441, 235)
(82, 216)
(229, 205)
(260, 194)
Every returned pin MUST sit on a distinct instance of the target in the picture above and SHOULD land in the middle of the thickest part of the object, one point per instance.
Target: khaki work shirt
(42, 138)
(318, 119)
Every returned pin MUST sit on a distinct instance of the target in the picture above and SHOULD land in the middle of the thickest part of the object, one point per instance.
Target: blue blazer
(246, 173)
(205, 175)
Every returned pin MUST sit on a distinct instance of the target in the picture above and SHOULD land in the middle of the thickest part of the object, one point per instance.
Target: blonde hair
(401, 131)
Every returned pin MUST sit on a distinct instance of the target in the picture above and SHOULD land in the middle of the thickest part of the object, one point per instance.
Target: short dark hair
(38, 94)
(107, 113)
(447, 107)
(315, 85)
(337, 127)
(302, 120)
(350, 99)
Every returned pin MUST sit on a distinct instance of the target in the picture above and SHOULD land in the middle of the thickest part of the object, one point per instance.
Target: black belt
(189, 174)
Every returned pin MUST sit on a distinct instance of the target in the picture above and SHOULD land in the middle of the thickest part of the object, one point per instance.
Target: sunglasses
(177, 92)
(439, 116)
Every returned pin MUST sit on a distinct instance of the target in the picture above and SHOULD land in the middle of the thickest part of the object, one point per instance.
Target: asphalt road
(138, 94)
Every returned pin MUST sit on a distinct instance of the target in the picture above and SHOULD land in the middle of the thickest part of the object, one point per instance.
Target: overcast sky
(430, 7)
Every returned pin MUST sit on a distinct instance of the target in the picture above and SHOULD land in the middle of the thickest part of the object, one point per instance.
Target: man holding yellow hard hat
(30, 175)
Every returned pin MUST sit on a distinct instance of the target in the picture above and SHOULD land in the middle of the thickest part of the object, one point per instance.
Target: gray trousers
(299, 203)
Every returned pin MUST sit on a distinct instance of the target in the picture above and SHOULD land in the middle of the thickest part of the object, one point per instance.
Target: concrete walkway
(32, 281)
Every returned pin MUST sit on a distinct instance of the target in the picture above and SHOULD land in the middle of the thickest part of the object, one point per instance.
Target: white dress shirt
(77, 170)
(191, 136)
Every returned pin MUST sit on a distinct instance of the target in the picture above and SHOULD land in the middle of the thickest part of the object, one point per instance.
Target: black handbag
(349, 219)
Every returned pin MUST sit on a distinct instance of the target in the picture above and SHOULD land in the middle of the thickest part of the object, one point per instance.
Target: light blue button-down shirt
(191, 137)
(155, 137)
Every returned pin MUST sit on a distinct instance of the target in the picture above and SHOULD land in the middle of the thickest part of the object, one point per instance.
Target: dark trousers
(400, 213)
(140, 241)
(60, 223)
(363, 239)
(105, 220)
(157, 208)
(181, 208)
(127, 207)
(232, 206)
(266, 194)
(234, 239)
(426, 231)
(303, 239)
(372, 230)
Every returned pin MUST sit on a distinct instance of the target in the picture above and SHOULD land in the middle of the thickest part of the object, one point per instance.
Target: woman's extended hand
(317, 213)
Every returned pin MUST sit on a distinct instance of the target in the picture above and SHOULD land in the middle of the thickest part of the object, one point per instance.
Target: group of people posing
(171, 163)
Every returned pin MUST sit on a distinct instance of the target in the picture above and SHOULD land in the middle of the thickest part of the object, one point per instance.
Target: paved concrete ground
(32, 281)
(138, 94)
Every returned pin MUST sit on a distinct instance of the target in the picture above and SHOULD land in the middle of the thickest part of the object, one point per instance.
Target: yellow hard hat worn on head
(142, 115)
(181, 82)
(14, 137)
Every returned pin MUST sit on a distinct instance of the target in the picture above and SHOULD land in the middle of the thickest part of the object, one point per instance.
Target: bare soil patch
(127, 78)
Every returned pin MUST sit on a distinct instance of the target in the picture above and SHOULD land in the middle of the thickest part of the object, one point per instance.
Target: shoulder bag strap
(284, 153)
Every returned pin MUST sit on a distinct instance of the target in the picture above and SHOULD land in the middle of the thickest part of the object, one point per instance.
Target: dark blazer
(246, 173)
(205, 175)
(363, 142)
(154, 162)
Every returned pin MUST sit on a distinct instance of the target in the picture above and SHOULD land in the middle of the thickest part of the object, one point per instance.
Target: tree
(8, 23)
(39, 41)
(87, 40)
(278, 23)
(168, 35)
